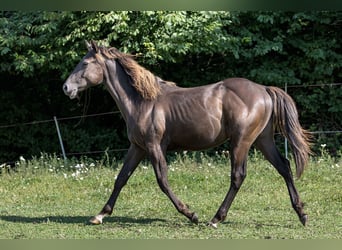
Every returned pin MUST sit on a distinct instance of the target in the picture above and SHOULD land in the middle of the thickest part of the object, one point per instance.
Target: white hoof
(96, 220)
(213, 225)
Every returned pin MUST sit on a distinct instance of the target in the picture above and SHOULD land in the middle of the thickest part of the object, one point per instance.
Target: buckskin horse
(161, 116)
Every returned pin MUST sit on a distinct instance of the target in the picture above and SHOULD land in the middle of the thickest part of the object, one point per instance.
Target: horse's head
(88, 72)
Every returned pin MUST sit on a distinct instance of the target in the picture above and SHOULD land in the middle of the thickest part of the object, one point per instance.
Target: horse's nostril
(65, 87)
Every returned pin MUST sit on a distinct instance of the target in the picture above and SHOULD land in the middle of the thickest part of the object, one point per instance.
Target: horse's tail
(285, 119)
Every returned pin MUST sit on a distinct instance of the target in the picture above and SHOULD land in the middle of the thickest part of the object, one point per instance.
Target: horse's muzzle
(71, 92)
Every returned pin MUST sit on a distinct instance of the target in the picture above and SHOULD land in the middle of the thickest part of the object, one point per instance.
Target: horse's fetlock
(194, 218)
(107, 209)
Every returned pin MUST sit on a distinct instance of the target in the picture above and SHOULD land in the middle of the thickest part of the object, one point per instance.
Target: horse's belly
(195, 139)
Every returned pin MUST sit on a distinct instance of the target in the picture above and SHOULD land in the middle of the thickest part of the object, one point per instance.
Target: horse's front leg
(133, 158)
(158, 161)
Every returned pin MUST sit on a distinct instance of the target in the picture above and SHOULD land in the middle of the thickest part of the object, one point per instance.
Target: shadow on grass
(77, 220)
(129, 221)
(262, 224)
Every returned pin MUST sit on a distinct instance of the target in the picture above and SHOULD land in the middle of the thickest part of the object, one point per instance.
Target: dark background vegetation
(38, 50)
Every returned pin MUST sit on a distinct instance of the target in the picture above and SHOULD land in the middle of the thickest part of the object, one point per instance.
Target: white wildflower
(76, 174)
(78, 166)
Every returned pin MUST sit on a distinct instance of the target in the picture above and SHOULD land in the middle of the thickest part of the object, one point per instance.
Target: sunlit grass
(49, 198)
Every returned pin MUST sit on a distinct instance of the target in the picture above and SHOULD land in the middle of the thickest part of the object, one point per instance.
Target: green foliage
(38, 50)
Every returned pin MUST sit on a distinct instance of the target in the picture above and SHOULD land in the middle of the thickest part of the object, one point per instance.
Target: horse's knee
(237, 179)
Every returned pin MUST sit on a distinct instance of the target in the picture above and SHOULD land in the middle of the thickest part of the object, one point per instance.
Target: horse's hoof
(194, 218)
(304, 219)
(96, 220)
(211, 224)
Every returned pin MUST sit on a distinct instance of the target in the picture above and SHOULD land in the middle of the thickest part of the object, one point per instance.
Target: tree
(38, 50)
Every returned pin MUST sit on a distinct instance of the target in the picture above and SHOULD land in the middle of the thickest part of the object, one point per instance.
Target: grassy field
(46, 198)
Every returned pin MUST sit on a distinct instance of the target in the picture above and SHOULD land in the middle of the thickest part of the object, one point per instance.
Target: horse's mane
(143, 80)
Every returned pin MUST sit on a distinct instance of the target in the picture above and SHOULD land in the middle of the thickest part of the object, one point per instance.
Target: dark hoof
(304, 219)
(194, 218)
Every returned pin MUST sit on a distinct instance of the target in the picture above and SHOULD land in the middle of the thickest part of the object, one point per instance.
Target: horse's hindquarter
(257, 106)
(252, 107)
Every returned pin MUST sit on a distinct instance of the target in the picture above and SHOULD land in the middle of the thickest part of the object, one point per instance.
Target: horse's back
(244, 88)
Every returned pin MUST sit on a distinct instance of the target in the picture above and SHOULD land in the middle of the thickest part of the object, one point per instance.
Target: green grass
(46, 198)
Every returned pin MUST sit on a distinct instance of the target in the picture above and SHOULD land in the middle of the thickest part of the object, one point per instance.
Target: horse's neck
(120, 89)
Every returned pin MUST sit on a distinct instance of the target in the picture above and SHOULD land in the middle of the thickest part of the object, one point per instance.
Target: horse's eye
(85, 63)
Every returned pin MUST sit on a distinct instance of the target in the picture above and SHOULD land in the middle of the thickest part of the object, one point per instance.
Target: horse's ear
(94, 46)
(88, 45)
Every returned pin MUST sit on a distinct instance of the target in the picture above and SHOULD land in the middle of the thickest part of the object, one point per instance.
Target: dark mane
(143, 80)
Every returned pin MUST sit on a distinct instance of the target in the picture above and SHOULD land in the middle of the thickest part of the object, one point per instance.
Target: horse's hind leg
(238, 174)
(266, 145)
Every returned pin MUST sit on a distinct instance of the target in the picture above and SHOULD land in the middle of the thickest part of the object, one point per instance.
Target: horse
(161, 116)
